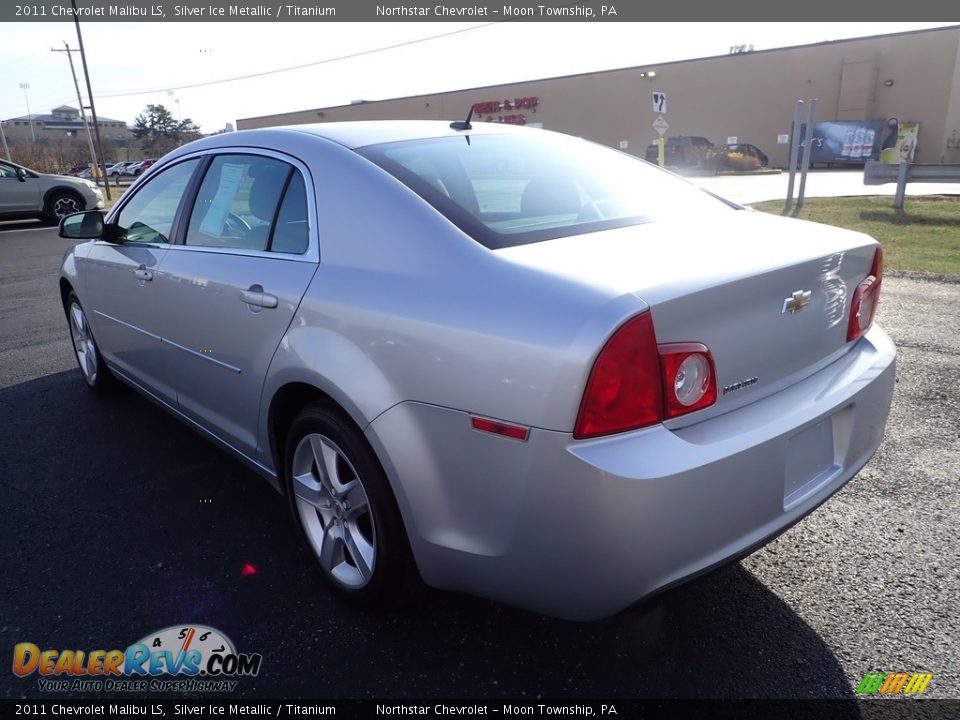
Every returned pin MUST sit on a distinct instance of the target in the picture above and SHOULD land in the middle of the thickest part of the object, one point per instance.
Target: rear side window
(506, 190)
(292, 231)
(237, 202)
(148, 217)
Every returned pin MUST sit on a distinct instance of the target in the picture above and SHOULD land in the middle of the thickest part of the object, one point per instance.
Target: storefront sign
(498, 106)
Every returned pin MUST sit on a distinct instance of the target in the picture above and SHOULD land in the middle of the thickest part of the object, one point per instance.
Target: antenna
(463, 124)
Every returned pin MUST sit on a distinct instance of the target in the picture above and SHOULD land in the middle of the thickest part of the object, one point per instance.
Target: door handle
(141, 273)
(257, 297)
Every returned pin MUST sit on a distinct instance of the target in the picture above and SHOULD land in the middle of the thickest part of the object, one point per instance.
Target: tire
(93, 369)
(352, 524)
(60, 204)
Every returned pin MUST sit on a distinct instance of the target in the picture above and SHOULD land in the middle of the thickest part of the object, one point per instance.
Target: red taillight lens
(865, 299)
(624, 389)
(689, 378)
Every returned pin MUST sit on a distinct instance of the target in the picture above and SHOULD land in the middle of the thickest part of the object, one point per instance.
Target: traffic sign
(660, 125)
(659, 101)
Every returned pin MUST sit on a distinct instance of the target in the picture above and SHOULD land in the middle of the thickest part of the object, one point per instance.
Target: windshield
(507, 190)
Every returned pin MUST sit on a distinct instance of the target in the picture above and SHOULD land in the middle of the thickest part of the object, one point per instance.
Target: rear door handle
(141, 273)
(257, 297)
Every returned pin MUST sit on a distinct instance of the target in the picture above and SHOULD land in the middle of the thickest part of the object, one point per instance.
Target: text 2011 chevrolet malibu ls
(505, 361)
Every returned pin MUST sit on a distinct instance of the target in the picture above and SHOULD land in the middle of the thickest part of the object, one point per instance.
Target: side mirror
(21, 174)
(82, 226)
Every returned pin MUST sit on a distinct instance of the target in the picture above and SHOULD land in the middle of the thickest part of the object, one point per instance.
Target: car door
(230, 289)
(16, 195)
(120, 288)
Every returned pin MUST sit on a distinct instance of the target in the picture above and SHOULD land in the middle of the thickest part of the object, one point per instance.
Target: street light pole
(93, 110)
(26, 87)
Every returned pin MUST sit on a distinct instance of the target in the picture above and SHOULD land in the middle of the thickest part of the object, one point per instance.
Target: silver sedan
(498, 360)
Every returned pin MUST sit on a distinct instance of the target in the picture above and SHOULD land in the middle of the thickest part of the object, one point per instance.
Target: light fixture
(652, 73)
(888, 83)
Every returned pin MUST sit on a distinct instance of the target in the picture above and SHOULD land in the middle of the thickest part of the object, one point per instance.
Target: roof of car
(373, 132)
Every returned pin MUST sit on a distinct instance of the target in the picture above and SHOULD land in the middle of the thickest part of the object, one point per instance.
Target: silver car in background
(501, 360)
(26, 193)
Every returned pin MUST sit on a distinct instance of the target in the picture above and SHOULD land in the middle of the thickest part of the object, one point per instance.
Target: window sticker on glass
(230, 178)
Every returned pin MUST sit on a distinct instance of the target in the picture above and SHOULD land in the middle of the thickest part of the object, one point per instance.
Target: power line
(11, 63)
(298, 67)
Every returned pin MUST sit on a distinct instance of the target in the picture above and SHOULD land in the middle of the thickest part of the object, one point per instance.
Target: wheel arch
(287, 402)
(63, 188)
(65, 289)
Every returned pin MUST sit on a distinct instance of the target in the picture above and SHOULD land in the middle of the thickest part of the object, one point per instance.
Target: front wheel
(60, 204)
(345, 510)
(94, 370)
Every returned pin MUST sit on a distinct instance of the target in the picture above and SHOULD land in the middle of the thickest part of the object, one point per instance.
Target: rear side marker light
(517, 432)
(865, 299)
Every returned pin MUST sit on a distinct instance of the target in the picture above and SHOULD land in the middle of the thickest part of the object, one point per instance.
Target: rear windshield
(507, 190)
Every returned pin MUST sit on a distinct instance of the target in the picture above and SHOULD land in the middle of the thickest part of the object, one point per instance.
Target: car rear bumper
(583, 529)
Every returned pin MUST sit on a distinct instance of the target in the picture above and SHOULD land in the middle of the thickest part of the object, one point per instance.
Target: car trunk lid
(769, 297)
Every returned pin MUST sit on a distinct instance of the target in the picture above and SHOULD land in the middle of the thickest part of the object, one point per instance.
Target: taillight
(689, 378)
(865, 299)
(624, 388)
(635, 382)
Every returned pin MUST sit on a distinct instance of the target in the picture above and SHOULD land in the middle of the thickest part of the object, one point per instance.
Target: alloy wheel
(65, 205)
(83, 344)
(335, 511)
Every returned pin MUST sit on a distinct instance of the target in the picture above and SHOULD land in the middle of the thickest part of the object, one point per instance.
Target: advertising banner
(899, 142)
(846, 141)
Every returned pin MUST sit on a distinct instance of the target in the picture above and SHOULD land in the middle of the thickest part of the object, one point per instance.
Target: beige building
(60, 123)
(749, 96)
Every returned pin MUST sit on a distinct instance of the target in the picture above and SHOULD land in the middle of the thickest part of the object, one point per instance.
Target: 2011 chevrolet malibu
(499, 360)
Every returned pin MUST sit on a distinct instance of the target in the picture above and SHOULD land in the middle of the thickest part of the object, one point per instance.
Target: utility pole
(83, 115)
(93, 110)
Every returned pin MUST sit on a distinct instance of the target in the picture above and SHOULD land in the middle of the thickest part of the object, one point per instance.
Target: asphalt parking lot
(118, 521)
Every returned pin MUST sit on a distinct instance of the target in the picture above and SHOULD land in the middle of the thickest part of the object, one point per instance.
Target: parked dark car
(682, 151)
(743, 156)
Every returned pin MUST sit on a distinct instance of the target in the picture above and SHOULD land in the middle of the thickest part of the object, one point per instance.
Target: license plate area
(810, 462)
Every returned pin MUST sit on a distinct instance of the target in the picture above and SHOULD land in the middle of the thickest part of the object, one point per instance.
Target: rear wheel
(94, 370)
(60, 204)
(344, 508)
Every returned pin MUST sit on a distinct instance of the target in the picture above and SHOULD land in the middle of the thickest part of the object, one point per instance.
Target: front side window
(148, 217)
(238, 202)
(506, 190)
(7, 171)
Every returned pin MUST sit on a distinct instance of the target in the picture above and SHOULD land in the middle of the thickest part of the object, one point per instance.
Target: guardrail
(877, 173)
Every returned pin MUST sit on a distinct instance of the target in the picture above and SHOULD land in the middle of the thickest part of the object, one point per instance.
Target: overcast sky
(158, 58)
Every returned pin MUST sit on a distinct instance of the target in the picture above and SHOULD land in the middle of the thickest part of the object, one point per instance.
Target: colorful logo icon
(894, 683)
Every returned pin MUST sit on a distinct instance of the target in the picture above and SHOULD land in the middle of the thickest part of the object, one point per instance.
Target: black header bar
(474, 11)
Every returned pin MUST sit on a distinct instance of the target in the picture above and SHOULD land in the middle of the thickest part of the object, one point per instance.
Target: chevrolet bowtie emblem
(796, 302)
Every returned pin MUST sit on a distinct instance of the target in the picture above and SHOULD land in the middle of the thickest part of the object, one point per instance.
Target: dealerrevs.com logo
(197, 657)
